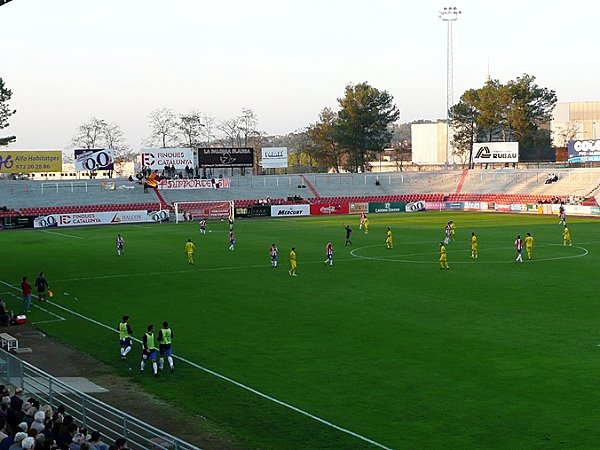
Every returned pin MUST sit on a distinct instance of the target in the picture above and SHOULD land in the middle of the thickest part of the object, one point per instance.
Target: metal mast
(449, 15)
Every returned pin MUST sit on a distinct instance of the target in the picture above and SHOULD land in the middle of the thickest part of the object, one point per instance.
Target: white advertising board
(274, 157)
(495, 152)
(159, 158)
(290, 210)
(99, 218)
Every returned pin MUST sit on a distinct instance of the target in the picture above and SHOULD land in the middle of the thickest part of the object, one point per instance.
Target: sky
(67, 61)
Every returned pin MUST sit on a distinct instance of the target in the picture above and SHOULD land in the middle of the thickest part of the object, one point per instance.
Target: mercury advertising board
(495, 152)
(226, 157)
(89, 160)
(159, 158)
(30, 161)
(581, 151)
(290, 210)
(274, 157)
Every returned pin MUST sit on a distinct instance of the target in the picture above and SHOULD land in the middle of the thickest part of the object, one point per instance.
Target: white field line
(225, 378)
(61, 234)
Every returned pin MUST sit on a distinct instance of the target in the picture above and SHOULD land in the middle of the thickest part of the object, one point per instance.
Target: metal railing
(89, 411)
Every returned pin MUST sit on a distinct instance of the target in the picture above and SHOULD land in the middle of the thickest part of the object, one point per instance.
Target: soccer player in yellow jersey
(190, 248)
(474, 246)
(366, 224)
(452, 231)
(389, 238)
(293, 262)
(567, 236)
(529, 245)
(443, 257)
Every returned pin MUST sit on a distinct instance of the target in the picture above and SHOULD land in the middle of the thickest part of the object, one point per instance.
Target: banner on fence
(386, 207)
(30, 161)
(214, 183)
(90, 160)
(290, 210)
(337, 208)
(160, 158)
(357, 208)
(415, 206)
(99, 218)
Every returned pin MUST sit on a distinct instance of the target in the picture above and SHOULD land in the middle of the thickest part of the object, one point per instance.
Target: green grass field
(383, 349)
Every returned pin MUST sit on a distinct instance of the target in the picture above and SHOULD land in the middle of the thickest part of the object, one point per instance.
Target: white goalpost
(186, 211)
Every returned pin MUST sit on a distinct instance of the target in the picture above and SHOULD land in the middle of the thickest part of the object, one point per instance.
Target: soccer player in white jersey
(120, 244)
(274, 252)
(329, 253)
(519, 249)
(202, 226)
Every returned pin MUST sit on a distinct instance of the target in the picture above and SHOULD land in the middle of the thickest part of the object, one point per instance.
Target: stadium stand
(25, 197)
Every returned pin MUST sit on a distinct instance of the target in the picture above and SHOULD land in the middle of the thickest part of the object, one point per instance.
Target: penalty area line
(227, 379)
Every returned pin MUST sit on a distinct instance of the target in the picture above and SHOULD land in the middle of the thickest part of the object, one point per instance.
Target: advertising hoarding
(226, 157)
(495, 152)
(159, 158)
(274, 157)
(89, 160)
(581, 151)
(329, 209)
(290, 210)
(30, 161)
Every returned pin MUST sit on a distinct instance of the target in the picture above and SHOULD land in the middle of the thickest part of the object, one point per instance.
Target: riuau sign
(495, 152)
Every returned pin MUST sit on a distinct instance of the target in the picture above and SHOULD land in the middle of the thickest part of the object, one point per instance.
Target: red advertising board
(327, 209)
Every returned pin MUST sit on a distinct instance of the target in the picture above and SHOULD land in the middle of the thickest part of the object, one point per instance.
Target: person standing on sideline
(366, 224)
(474, 246)
(293, 262)
(567, 237)
(529, 245)
(274, 251)
(443, 257)
(231, 241)
(26, 289)
(125, 333)
(389, 239)
(190, 248)
(519, 248)
(41, 284)
(329, 254)
(120, 244)
(165, 337)
(348, 235)
(362, 220)
(203, 226)
(149, 350)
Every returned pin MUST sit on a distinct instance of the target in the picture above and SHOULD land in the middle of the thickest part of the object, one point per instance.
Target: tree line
(347, 138)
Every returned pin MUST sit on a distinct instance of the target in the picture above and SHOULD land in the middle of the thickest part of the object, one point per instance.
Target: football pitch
(381, 350)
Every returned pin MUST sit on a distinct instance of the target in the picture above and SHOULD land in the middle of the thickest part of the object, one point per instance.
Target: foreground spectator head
(121, 443)
(28, 443)
(19, 437)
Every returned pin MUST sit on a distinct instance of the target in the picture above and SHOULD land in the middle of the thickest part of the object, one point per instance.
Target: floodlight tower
(449, 14)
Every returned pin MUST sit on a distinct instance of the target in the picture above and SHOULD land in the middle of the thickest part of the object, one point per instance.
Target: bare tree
(163, 126)
(190, 128)
(233, 130)
(208, 130)
(563, 134)
(90, 134)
